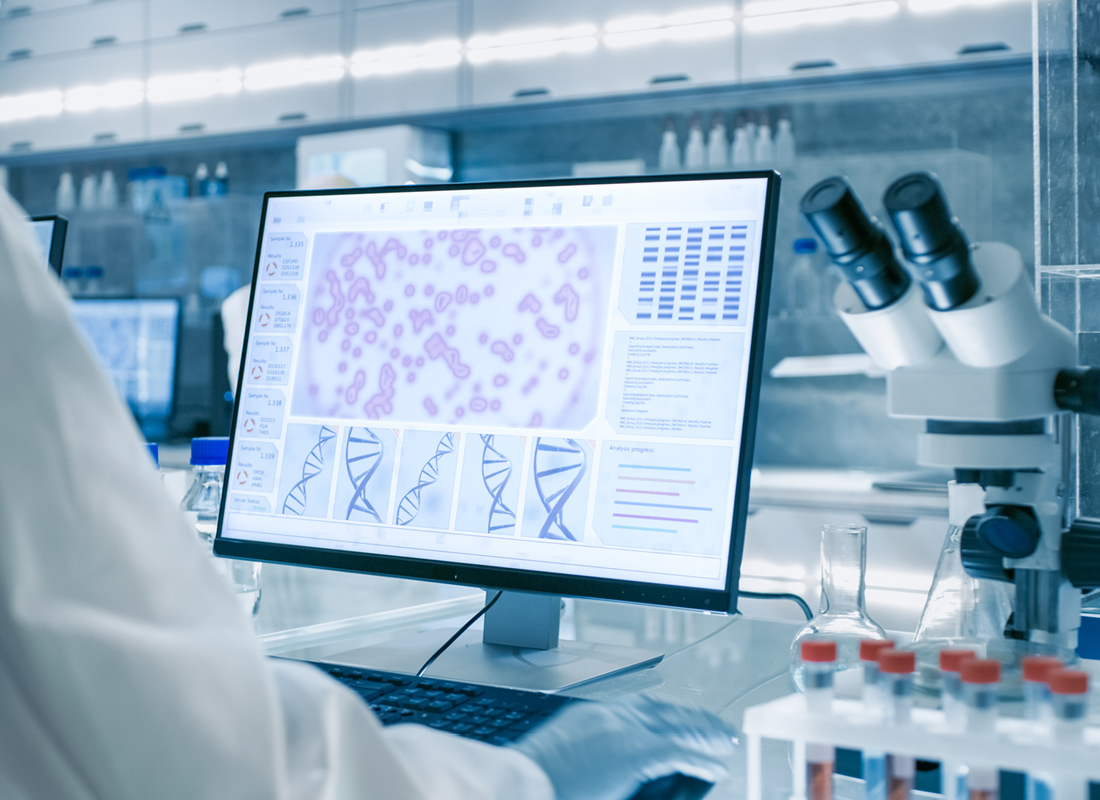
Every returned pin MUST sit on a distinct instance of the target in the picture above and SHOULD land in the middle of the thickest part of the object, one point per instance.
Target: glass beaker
(843, 616)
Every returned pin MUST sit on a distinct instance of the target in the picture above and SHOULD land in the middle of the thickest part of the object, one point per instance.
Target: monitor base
(470, 660)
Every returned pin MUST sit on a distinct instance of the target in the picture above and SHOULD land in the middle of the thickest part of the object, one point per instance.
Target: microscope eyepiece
(932, 240)
(855, 241)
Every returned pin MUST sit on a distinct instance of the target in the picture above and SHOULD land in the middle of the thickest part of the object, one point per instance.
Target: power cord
(794, 598)
(458, 633)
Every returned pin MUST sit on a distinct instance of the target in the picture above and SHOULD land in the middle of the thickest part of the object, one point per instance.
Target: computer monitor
(545, 387)
(49, 232)
(135, 342)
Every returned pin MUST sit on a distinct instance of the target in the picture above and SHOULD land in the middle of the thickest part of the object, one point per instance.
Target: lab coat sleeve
(127, 670)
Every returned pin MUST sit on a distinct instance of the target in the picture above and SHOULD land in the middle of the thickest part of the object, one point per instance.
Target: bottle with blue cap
(201, 506)
(803, 281)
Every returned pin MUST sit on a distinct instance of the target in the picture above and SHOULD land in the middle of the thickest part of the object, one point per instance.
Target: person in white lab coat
(127, 671)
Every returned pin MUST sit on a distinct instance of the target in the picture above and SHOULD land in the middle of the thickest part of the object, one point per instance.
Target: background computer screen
(135, 342)
(49, 233)
(476, 383)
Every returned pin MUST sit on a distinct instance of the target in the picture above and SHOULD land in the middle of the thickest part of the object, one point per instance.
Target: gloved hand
(605, 751)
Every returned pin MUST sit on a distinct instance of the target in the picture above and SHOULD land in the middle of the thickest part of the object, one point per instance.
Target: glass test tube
(954, 710)
(818, 670)
(981, 680)
(897, 667)
(874, 762)
(1036, 692)
(1069, 698)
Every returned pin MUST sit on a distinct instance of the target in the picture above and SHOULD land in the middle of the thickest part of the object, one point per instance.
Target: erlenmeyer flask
(843, 616)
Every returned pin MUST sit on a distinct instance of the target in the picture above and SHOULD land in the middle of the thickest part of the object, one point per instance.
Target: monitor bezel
(57, 239)
(176, 359)
(716, 600)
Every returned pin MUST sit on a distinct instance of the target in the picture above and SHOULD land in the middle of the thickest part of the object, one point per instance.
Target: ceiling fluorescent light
(649, 21)
(394, 60)
(936, 6)
(533, 50)
(193, 86)
(118, 94)
(529, 36)
(676, 33)
(294, 72)
(16, 107)
(822, 16)
(757, 8)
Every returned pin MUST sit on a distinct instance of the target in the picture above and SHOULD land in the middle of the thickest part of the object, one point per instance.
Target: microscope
(966, 348)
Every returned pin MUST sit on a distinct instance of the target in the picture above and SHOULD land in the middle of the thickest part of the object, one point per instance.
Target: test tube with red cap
(897, 667)
(1069, 709)
(818, 671)
(981, 679)
(954, 707)
(874, 761)
(1036, 692)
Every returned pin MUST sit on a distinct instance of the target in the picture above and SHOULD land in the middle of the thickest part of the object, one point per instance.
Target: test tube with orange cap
(897, 667)
(981, 679)
(818, 672)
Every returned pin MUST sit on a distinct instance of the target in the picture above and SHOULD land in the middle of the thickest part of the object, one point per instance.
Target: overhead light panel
(193, 86)
(830, 15)
(937, 6)
(118, 94)
(17, 107)
(294, 72)
(686, 17)
(531, 43)
(675, 33)
(439, 54)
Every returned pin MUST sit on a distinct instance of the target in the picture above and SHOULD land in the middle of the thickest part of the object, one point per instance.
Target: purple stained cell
(530, 303)
(420, 319)
(536, 241)
(500, 380)
(411, 377)
(394, 353)
(375, 316)
(441, 235)
(333, 315)
(360, 287)
(546, 329)
(429, 290)
(387, 306)
(483, 338)
(322, 336)
(536, 420)
(442, 300)
(349, 275)
(349, 314)
(495, 405)
(475, 298)
(430, 406)
(568, 297)
(414, 259)
(574, 349)
(582, 273)
(450, 330)
(381, 400)
(532, 382)
(557, 234)
(494, 242)
(342, 367)
(398, 329)
(352, 393)
(407, 361)
(427, 258)
(543, 364)
(351, 257)
(489, 290)
(514, 252)
(460, 411)
(567, 253)
(345, 345)
(358, 351)
(517, 339)
(351, 328)
(478, 404)
(419, 361)
(371, 337)
(488, 266)
(589, 356)
(319, 316)
(410, 290)
(563, 373)
(453, 250)
(436, 347)
(428, 243)
(503, 350)
(473, 251)
(461, 293)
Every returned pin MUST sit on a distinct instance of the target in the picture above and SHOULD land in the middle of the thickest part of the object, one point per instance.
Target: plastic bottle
(1068, 713)
(201, 506)
(954, 710)
(108, 190)
(981, 680)
(803, 281)
(668, 159)
(750, 132)
(874, 761)
(818, 671)
(695, 153)
(898, 667)
(718, 146)
(221, 179)
(88, 193)
(784, 144)
(764, 148)
(202, 180)
(1036, 670)
(66, 194)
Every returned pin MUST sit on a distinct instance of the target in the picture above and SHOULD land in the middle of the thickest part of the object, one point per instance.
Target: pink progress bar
(663, 519)
(653, 480)
(643, 491)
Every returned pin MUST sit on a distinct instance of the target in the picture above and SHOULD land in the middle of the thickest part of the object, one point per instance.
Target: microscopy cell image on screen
(488, 498)
(365, 475)
(426, 479)
(495, 326)
(557, 489)
(308, 463)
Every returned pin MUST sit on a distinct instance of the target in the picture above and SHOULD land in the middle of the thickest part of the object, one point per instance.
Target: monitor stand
(518, 648)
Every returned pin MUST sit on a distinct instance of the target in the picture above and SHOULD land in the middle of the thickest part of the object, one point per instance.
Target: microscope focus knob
(979, 559)
(1081, 553)
(1078, 390)
(1009, 531)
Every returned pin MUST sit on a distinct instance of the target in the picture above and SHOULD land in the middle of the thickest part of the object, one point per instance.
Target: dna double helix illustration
(496, 470)
(559, 470)
(409, 506)
(314, 465)
(362, 455)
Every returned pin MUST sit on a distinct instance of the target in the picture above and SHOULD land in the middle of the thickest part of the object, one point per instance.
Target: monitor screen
(49, 233)
(135, 343)
(546, 385)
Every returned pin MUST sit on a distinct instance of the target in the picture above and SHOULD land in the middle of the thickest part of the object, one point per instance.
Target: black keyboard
(493, 715)
(488, 713)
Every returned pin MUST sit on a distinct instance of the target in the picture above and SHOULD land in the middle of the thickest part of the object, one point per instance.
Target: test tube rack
(1015, 744)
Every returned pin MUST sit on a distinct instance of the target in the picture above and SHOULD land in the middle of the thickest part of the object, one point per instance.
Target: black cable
(458, 633)
(794, 598)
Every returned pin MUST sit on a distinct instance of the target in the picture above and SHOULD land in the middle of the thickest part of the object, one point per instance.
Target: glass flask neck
(843, 562)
